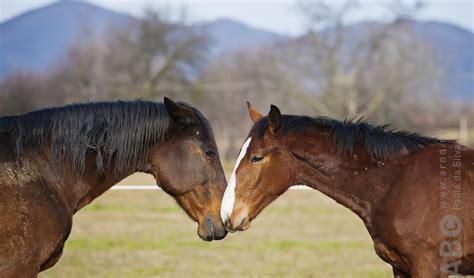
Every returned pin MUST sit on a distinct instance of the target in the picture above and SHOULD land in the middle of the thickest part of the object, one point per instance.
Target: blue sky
(278, 16)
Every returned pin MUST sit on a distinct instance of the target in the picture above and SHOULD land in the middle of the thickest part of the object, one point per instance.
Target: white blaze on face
(229, 195)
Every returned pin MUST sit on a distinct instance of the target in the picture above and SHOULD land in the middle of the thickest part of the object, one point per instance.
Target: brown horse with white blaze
(415, 194)
(55, 161)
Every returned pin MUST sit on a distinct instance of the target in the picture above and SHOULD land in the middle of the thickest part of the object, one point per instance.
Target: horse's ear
(178, 111)
(274, 120)
(254, 114)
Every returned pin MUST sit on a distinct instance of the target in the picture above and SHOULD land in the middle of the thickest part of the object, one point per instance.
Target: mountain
(230, 35)
(34, 40)
(453, 48)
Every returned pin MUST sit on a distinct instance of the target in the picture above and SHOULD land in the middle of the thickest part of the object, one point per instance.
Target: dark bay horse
(415, 194)
(55, 161)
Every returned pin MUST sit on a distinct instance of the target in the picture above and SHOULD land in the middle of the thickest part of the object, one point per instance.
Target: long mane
(380, 142)
(118, 132)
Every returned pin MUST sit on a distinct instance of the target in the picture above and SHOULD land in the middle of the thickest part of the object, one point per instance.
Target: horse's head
(263, 171)
(187, 166)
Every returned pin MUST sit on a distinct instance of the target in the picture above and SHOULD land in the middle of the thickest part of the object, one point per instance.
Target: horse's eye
(210, 154)
(256, 158)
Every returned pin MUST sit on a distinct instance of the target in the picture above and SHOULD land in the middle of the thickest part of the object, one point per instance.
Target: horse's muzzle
(211, 229)
(244, 225)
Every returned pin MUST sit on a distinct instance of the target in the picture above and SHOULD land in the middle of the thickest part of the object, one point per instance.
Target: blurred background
(407, 63)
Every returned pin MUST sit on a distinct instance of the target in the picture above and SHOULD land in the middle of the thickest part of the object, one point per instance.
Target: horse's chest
(389, 255)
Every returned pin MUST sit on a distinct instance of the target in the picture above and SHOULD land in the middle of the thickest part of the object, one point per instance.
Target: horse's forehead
(261, 142)
(199, 130)
(242, 153)
(206, 136)
(205, 129)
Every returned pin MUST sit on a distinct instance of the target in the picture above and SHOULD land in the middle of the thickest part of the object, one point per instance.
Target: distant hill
(229, 35)
(453, 47)
(34, 40)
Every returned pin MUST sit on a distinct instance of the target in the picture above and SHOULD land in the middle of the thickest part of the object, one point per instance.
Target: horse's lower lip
(207, 239)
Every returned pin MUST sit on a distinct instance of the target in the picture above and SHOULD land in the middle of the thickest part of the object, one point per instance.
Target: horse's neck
(80, 190)
(358, 186)
(100, 184)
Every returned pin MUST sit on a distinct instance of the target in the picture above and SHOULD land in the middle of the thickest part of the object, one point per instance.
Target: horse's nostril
(244, 225)
(228, 225)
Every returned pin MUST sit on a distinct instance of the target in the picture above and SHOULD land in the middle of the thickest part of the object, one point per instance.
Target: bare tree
(377, 70)
(160, 57)
(146, 59)
(339, 69)
(230, 81)
(22, 92)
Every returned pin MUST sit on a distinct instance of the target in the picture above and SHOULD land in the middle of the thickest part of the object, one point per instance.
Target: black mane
(118, 131)
(379, 141)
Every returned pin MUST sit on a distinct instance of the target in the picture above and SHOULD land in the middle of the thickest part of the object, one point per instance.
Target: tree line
(385, 73)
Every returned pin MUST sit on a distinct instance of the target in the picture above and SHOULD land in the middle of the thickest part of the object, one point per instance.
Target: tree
(377, 70)
(15, 93)
(231, 80)
(159, 57)
(146, 59)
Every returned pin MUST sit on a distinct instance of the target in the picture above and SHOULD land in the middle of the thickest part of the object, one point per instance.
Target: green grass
(145, 234)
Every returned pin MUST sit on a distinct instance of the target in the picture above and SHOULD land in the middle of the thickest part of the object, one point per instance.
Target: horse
(415, 194)
(55, 161)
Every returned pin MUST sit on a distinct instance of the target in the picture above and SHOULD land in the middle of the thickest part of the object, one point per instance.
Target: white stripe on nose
(229, 195)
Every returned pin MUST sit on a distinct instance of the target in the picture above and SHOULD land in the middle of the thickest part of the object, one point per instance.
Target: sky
(274, 15)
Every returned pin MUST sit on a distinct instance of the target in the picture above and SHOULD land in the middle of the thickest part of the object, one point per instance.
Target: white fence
(155, 187)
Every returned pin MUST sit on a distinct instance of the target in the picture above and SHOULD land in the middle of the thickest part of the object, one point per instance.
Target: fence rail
(155, 187)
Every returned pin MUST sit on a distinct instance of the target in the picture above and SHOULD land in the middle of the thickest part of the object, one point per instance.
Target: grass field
(145, 234)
